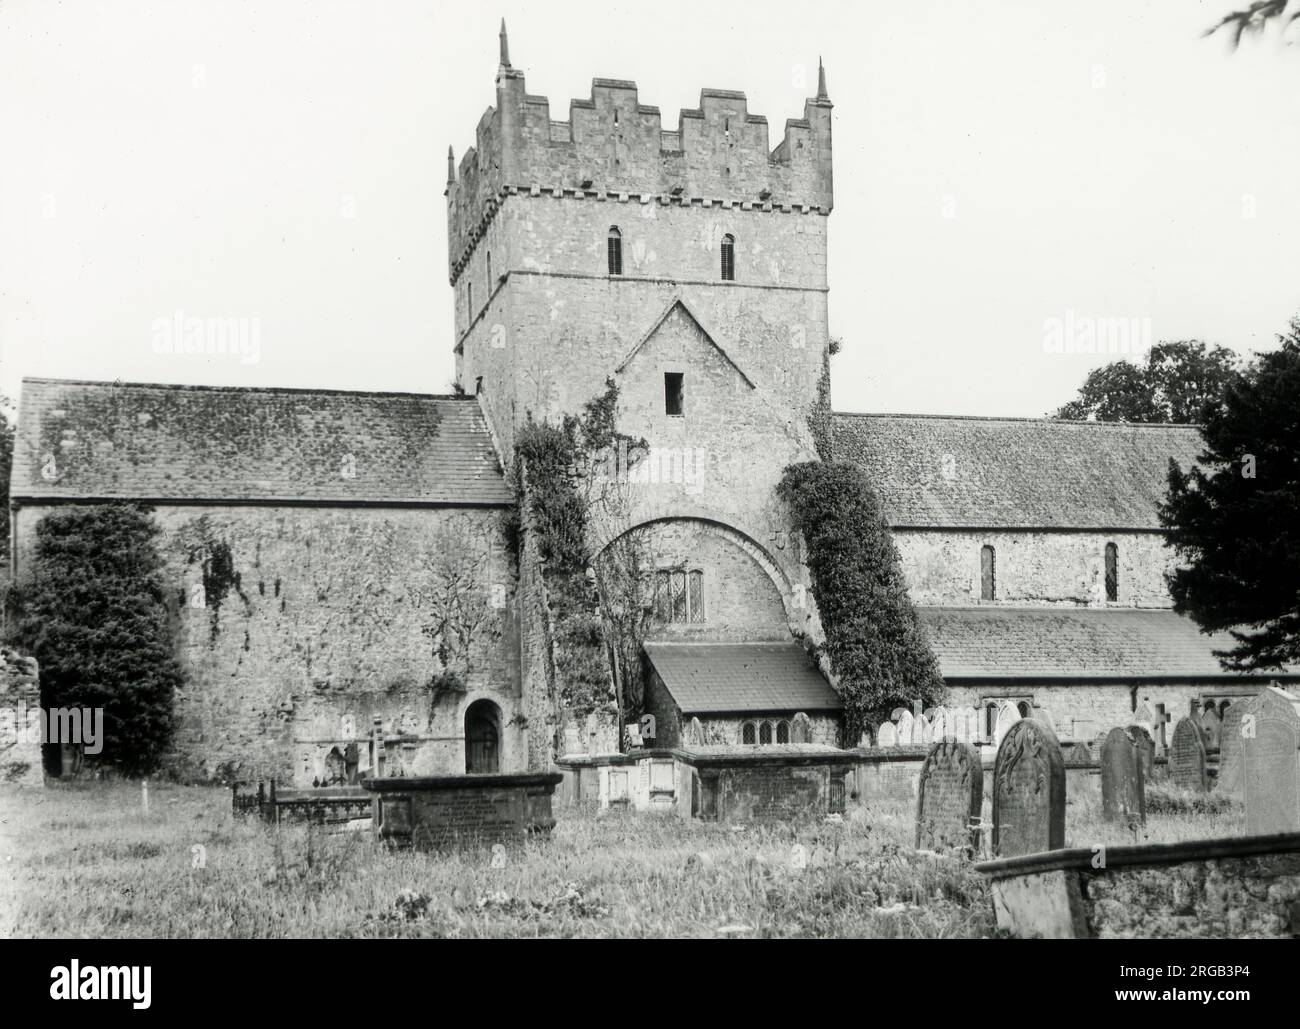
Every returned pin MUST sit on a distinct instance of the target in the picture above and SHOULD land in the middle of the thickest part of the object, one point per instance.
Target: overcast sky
(997, 165)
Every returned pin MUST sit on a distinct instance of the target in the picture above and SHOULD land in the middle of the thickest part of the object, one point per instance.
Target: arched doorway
(482, 737)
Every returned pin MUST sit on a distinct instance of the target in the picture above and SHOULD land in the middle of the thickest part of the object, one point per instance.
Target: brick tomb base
(462, 810)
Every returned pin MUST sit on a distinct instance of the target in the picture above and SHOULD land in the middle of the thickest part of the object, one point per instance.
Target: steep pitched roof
(933, 471)
(1075, 643)
(159, 442)
(734, 677)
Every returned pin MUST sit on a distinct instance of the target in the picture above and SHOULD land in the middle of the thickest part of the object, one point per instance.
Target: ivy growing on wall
(820, 420)
(877, 647)
(552, 476)
(203, 545)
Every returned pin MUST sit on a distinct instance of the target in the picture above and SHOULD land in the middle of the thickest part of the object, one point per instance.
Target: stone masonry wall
(741, 602)
(1082, 710)
(1034, 568)
(613, 144)
(326, 623)
(20, 703)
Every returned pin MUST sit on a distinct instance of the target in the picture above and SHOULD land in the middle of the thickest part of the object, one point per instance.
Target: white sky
(204, 157)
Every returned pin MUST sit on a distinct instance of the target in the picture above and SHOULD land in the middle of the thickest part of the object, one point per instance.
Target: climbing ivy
(552, 466)
(877, 647)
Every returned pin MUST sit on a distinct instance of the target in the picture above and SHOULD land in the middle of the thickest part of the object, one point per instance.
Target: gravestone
(694, 733)
(906, 726)
(949, 796)
(941, 727)
(1146, 716)
(887, 736)
(922, 731)
(1270, 752)
(1008, 715)
(800, 728)
(1229, 781)
(1123, 796)
(1146, 748)
(966, 724)
(1028, 791)
(1187, 756)
(1210, 728)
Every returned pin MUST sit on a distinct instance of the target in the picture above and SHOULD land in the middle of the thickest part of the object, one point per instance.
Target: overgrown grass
(86, 860)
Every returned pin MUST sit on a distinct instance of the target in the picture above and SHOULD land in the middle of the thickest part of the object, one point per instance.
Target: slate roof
(80, 439)
(953, 472)
(734, 677)
(1072, 643)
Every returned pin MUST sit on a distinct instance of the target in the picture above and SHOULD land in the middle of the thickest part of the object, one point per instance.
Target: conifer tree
(94, 614)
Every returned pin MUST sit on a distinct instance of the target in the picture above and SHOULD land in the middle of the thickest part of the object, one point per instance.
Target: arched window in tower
(728, 257)
(988, 576)
(489, 271)
(1112, 572)
(615, 246)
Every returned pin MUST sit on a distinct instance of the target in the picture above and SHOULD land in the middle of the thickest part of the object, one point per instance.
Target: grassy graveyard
(87, 860)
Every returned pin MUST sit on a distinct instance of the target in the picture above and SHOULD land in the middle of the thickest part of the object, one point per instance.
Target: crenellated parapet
(613, 145)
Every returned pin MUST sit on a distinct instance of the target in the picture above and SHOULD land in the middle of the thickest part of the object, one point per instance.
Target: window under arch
(782, 732)
(614, 246)
(679, 595)
(1112, 572)
(728, 257)
(747, 733)
(765, 733)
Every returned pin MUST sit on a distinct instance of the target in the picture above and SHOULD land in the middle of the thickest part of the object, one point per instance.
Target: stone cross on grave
(1161, 720)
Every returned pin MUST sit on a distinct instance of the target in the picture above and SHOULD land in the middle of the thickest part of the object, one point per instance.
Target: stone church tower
(688, 264)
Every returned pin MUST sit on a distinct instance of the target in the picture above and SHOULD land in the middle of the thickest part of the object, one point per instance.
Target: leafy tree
(1178, 382)
(1234, 518)
(877, 647)
(95, 616)
(1255, 18)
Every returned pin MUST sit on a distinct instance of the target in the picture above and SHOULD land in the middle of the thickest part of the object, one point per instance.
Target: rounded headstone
(1123, 797)
(1187, 756)
(1270, 749)
(949, 795)
(1028, 791)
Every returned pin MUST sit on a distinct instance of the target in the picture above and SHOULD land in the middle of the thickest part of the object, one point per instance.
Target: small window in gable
(1112, 572)
(615, 248)
(988, 575)
(674, 392)
(728, 257)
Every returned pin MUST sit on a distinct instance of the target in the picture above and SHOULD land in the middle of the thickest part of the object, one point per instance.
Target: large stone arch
(792, 598)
